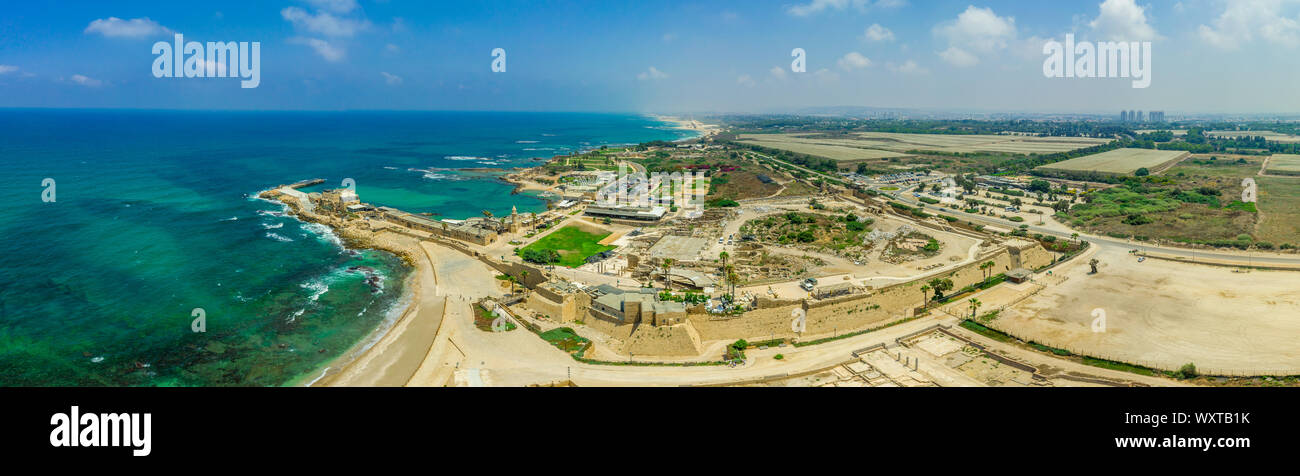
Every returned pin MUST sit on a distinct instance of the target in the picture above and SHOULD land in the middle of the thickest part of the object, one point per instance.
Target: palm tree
(1074, 237)
(523, 275)
(987, 268)
(925, 294)
(511, 280)
(724, 255)
(668, 266)
(974, 306)
(732, 277)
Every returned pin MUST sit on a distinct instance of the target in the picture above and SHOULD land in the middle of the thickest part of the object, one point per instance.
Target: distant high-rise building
(1139, 117)
(1123, 116)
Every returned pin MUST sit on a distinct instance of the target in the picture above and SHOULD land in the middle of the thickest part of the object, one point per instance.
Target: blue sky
(654, 56)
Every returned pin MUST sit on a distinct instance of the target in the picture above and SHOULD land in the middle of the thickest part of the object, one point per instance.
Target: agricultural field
(886, 145)
(1279, 210)
(1284, 164)
(1119, 161)
(951, 143)
(1267, 135)
(834, 149)
(569, 246)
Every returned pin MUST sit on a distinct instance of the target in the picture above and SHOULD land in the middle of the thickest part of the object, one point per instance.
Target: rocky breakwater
(354, 233)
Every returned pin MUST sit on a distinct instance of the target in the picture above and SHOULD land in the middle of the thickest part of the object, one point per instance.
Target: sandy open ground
(1165, 314)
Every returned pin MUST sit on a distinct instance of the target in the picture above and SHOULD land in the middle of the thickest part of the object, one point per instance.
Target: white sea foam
(270, 226)
(525, 142)
(463, 157)
(277, 237)
(295, 315)
(323, 232)
(317, 288)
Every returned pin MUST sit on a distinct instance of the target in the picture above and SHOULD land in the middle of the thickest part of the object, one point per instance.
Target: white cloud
(875, 32)
(114, 27)
(826, 76)
(854, 60)
(651, 73)
(336, 6)
(85, 81)
(817, 6)
(391, 79)
(975, 32)
(6, 69)
(1123, 20)
(908, 67)
(745, 80)
(323, 22)
(959, 57)
(322, 47)
(1243, 20)
(778, 72)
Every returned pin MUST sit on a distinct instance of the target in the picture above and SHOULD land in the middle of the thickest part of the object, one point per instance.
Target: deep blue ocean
(152, 218)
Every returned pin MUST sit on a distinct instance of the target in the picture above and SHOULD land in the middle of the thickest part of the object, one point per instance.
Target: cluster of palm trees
(729, 272)
(987, 269)
(523, 276)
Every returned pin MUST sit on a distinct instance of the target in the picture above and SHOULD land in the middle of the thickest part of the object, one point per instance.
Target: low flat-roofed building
(834, 290)
(648, 214)
(1019, 275)
(640, 306)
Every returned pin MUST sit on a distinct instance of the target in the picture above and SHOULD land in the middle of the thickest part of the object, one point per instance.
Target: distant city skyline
(1208, 56)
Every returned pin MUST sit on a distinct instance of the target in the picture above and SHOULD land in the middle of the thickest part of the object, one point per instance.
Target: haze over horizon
(1209, 56)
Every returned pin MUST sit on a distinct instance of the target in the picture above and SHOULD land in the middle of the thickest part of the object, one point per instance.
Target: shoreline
(392, 352)
(356, 239)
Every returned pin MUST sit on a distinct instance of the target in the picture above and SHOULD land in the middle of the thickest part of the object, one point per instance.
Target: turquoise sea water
(153, 218)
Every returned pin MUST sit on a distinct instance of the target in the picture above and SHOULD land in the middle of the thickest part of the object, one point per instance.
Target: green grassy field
(1279, 210)
(1209, 213)
(573, 245)
(1221, 167)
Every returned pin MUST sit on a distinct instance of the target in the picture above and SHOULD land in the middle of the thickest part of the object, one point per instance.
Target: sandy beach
(392, 360)
(705, 130)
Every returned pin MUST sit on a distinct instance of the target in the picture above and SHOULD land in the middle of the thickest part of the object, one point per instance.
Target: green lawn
(565, 339)
(573, 245)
